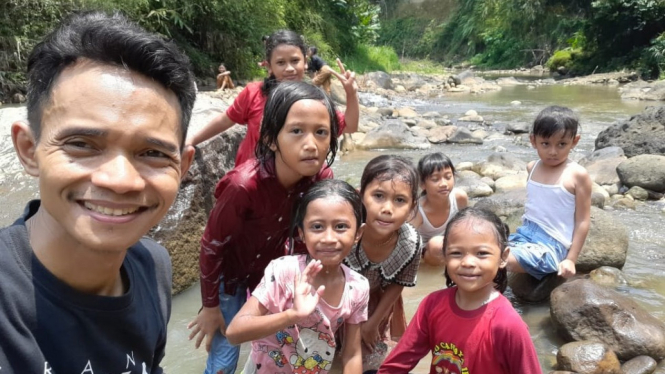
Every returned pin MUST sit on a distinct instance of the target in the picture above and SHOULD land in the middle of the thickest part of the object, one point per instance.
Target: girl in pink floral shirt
(303, 300)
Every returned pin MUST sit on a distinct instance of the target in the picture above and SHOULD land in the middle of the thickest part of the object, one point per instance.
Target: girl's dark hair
(432, 163)
(324, 189)
(276, 39)
(277, 108)
(391, 167)
(501, 231)
(555, 119)
(313, 50)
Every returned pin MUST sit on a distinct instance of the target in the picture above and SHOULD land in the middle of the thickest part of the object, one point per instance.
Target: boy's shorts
(536, 251)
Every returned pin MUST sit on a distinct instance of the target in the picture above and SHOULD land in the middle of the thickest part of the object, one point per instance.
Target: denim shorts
(536, 251)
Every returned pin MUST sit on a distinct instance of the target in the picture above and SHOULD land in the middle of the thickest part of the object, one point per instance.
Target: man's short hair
(109, 39)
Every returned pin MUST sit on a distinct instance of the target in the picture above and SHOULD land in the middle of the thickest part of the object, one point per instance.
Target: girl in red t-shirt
(469, 327)
(285, 61)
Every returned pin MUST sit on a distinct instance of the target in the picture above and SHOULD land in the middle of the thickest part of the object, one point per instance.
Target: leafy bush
(368, 58)
(560, 58)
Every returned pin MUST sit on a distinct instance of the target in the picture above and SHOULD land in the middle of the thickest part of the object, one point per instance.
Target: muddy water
(597, 106)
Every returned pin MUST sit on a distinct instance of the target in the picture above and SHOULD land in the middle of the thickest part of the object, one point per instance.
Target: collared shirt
(248, 227)
(247, 109)
(401, 267)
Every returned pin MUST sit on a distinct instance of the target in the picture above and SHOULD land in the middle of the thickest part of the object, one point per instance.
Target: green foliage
(367, 58)
(209, 31)
(560, 58)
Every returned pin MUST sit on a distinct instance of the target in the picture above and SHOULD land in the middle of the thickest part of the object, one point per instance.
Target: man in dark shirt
(319, 70)
(80, 290)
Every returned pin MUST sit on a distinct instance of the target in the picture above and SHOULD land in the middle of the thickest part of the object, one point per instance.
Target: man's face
(108, 160)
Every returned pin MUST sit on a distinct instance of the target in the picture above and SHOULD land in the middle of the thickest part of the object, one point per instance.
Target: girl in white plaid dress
(388, 254)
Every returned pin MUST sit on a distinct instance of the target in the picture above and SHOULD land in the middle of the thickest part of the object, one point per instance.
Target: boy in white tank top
(439, 202)
(558, 206)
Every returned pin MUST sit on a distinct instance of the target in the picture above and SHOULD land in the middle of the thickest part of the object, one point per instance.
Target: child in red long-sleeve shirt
(469, 327)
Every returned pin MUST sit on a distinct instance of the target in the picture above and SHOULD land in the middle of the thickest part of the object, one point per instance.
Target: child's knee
(434, 252)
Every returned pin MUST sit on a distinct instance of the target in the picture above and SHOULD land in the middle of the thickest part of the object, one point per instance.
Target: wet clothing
(401, 268)
(552, 207)
(537, 253)
(309, 345)
(247, 228)
(491, 339)
(247, 109)
(48, 327)
(426, 230)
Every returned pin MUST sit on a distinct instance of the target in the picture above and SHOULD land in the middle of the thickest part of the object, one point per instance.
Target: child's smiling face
(473, 256)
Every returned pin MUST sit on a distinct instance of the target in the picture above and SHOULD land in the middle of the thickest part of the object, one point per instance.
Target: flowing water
(597, 106)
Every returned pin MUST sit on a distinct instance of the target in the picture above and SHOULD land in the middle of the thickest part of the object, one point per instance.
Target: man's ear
(532, 139)
(359, 233)
(186, 160)
(25, 146)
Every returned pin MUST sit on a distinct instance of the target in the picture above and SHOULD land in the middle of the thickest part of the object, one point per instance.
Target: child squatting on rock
(558, 204)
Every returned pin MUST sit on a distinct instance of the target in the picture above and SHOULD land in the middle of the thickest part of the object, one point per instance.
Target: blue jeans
(223, 356)
(535, 250)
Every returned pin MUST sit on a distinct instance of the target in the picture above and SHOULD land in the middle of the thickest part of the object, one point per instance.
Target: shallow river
(598, 107)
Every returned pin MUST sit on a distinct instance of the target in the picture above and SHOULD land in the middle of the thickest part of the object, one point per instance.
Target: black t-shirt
(48, 327)
(315, 63)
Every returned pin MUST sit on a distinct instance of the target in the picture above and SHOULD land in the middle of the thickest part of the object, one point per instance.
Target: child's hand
(370, 335)
(206, 323)
(566, 268)
(347, 78)
(304, 300)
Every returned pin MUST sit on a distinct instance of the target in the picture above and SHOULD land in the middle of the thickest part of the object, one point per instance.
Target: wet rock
(441, 134)
(465, 165)
(584, 310)
(427, 124)
(500, 149)
(464, 136)
(624, 203)
(598, 196)
(381, 79)
(488, 181)
(500, 165)
(515, 102)
(414, 83)
(518, 127)
(347, 144)
(471, 116)
(431, 115)
(393, 134)
(409, 122)
(442, 121)
(407, 112)
(400, 89)
(508, 81)
(480, 134)
(337, 92)
(357, 137)
(365, 126)
(641, 90)
(638, 193)
(528, 288)
(602, 165)
(588, 357)
(18, 98)
(605, 245)
(660, 369)
(471, 183)
(608, 276)
(181, 229)
(510, 183)
(504, 204)
(385, 111)
(639, 365)
(612, 189)
(646, 171)
(643, 133)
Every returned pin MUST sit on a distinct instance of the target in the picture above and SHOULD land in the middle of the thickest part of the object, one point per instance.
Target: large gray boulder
(463, 136)
(471, 183)
(393, 134)
(602, 165)
(605, 245)
(643, 133)
(504, 204)
(181, 229)
(641, 90)
(381, 79)
(646, 171)
(584, 310)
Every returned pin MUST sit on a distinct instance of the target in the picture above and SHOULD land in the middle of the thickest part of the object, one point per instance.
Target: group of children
(309, 269)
